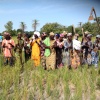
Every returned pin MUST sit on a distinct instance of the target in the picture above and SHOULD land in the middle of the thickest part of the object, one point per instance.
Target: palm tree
(22, 26)
(9, 26)
(35, 24)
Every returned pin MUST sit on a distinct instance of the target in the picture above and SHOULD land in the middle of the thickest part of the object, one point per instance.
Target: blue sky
(65, 12)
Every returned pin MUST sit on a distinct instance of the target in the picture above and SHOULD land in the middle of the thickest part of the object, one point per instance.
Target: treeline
(53, 27)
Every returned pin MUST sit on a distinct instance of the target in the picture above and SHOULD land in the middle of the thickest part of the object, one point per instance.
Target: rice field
(35, 83)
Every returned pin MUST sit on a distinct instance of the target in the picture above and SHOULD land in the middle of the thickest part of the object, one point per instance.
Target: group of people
(51, 50)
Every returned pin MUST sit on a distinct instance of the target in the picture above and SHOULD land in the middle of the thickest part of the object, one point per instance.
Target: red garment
(7, 47)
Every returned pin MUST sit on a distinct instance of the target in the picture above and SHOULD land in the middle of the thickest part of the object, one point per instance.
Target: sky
(64, 12)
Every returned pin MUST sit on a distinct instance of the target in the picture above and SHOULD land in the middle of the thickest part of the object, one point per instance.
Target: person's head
(36, 35)
(60, 39)
(7, 36)
(19, 35)
(69, 36)
(86, 33)
(65, 34)
(43, 35)
(76, 36)
(26, 38)
(97, 37)
(51, 36)
(89, 36)
(57, 35)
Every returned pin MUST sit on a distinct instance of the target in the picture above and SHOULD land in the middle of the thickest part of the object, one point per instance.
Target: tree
(35, 24)
(22, 26)
(53, 27)
(9, 26)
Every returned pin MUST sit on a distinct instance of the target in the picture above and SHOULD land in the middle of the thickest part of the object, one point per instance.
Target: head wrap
(89, 35)
(61, 35)
(76, 34)
(87, 32)
(64, 32)
(51, 33)
(37, 33)
(97, 36)
(57, 34)
(69, 34)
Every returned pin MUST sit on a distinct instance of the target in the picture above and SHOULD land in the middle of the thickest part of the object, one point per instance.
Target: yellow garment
(36, 52)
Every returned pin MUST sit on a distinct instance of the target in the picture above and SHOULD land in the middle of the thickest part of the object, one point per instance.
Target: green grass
(60, 84)
(38, 84)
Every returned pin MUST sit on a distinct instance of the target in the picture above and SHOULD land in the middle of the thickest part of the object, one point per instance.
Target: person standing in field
(1, 39)
(90, 48)
(27, 48)
(18, 49)
(8, 45)
(85, 47)
(68, 49)
(42, 50)
(59, 50)
(75, 60)
(35, 56)
(95, 51)
(50, 52)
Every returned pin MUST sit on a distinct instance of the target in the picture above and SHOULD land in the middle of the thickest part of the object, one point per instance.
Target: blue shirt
(1, 37)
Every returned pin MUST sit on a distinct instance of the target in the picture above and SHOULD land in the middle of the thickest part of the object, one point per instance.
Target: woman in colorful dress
(75, 60)
(27, 48)
(42, 50)
(36, 49)
(95, 51)
(51, 58)
(68, 51)
(59, 49)
(8, 45)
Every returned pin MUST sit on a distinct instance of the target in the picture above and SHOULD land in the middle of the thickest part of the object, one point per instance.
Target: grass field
(38, 84)
(34, 83)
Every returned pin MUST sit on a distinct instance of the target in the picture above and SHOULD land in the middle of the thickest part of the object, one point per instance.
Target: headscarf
(97, 36)
(57, 34)
(62, 35)
(69, 34)
(37, 33)
(51, 33)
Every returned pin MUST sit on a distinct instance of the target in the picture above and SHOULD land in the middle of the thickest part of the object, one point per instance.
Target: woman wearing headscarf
(50, 52)
(27, 48)
(36, 49)
(95, 51)
(42, 50)
(8, 45)
(59, 47)
(68, 50)
(75, 60)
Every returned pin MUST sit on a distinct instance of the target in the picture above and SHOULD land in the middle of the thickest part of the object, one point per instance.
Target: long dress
(51, 59)
(36, 52)
(59, 54)
(66, 53)
(75, 60)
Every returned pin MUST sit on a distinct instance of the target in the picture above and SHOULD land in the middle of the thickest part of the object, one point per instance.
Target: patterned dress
(66, 53)
(51, 59)
(75, 60)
